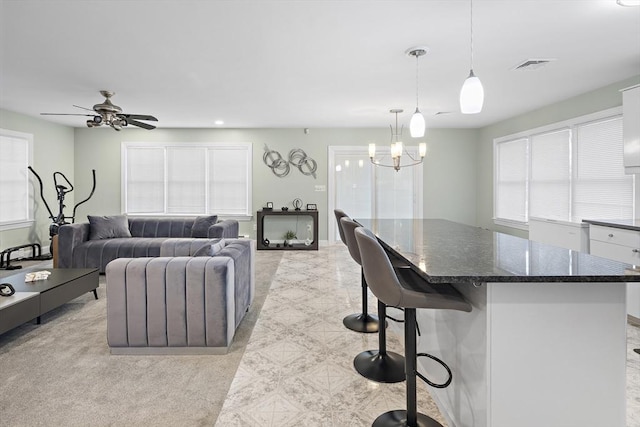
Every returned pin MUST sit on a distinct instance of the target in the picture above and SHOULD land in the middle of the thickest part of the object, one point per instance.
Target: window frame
(222, 146)
(30, 220)
(572, 125)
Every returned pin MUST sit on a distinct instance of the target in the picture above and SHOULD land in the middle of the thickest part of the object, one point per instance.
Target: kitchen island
(545, 344)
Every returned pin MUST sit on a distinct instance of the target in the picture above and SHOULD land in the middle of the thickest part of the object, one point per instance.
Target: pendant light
(417, 124)
(472, 92)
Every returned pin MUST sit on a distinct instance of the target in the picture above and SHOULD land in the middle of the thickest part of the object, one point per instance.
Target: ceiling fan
(110, 114)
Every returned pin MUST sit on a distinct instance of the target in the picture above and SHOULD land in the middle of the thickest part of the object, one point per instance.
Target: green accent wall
(590, 102)
(458, 169)
(450, 166)
(53, 150)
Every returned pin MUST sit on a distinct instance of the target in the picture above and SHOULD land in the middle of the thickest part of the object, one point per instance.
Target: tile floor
(297, 369)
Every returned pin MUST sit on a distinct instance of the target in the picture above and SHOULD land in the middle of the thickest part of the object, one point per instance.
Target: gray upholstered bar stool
(378, 365)
(406, 288)
(359, 322)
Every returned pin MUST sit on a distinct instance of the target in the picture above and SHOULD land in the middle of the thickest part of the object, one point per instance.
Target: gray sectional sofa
(103, 239)
(174, 285)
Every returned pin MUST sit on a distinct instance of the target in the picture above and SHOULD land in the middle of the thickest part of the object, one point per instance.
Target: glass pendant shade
(471, 95)
(396, 149)
(417, 125)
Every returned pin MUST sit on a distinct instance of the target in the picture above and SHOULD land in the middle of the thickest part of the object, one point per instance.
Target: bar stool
(406, 288)
(358, 322)
(378, 365)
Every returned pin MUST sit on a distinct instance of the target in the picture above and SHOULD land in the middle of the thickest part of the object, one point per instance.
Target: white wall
(450, 166)
(590, 102)
(53, 147)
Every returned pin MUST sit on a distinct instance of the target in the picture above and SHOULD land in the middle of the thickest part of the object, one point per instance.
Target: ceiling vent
(532, 64)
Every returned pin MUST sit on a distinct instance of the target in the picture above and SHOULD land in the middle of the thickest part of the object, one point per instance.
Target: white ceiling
(306, 63)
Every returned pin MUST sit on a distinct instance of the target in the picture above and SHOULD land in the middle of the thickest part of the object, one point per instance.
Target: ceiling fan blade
(140, 124)
(84, 108)
(66, 114)
(139, 117)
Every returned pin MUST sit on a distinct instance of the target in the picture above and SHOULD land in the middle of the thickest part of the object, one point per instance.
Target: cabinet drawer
(618, 236)
(615, 252)
(564, 235)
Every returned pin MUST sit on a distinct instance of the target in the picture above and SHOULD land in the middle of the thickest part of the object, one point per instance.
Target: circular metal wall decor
(297, 157)
(305, 164)
(273, 159)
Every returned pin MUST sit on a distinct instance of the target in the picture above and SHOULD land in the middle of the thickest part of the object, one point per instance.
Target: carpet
(61, 372)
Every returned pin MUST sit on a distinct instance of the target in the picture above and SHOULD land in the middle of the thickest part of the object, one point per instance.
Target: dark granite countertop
(627, 224)
(447, 252)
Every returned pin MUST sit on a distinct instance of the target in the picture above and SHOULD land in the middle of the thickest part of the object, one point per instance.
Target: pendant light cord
(471, 13)
(417, 57)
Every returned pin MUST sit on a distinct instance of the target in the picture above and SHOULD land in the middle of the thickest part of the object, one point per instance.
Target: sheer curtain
(363, 190)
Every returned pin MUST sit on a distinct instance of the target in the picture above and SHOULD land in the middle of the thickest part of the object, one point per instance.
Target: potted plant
(289, 235)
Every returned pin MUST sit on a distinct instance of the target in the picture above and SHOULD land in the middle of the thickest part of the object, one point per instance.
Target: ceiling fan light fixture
(471, 95)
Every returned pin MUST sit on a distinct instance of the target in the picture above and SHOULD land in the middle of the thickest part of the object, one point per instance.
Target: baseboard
(632, 320)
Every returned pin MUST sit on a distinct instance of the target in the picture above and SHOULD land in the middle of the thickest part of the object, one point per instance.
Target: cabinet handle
(635, 250)
(611, 235)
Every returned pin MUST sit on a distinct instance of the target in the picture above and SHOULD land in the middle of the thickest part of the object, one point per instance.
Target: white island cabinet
(608, 240)
(545, 342)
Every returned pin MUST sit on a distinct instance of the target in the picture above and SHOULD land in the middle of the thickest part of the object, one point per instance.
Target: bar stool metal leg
(362, 322)
(409, 417)
(381, 365)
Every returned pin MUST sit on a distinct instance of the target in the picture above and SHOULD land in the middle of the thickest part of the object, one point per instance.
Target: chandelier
(397, 149)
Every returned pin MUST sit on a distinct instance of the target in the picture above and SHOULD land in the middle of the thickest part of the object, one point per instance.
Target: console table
(273, 224)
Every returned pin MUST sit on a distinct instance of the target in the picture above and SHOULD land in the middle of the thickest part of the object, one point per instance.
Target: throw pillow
(108, 227)
(201, 225)
(206, 250)
(217, 247)
(210, 250)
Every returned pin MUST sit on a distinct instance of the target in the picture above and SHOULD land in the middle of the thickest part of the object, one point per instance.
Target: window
(567, 171)
(187, 179)
(365, 191)
(15, 157)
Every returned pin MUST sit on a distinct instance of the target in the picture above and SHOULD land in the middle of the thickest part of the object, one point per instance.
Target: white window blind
(511, 180)
(15, 152)
(550, 187)
(229, 168)
(145, 180)
(366, 191)
(187, 179)
(395, 190)
(603, 191)
(566, 171)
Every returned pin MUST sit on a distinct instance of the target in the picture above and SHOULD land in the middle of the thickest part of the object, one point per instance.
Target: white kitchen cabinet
(631, 128)
(620, 245)
(570, 235)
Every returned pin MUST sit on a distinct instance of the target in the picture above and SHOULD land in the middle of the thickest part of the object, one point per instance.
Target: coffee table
(33, 299)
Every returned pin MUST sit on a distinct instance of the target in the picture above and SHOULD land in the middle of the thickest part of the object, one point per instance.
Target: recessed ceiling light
(218, 122)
